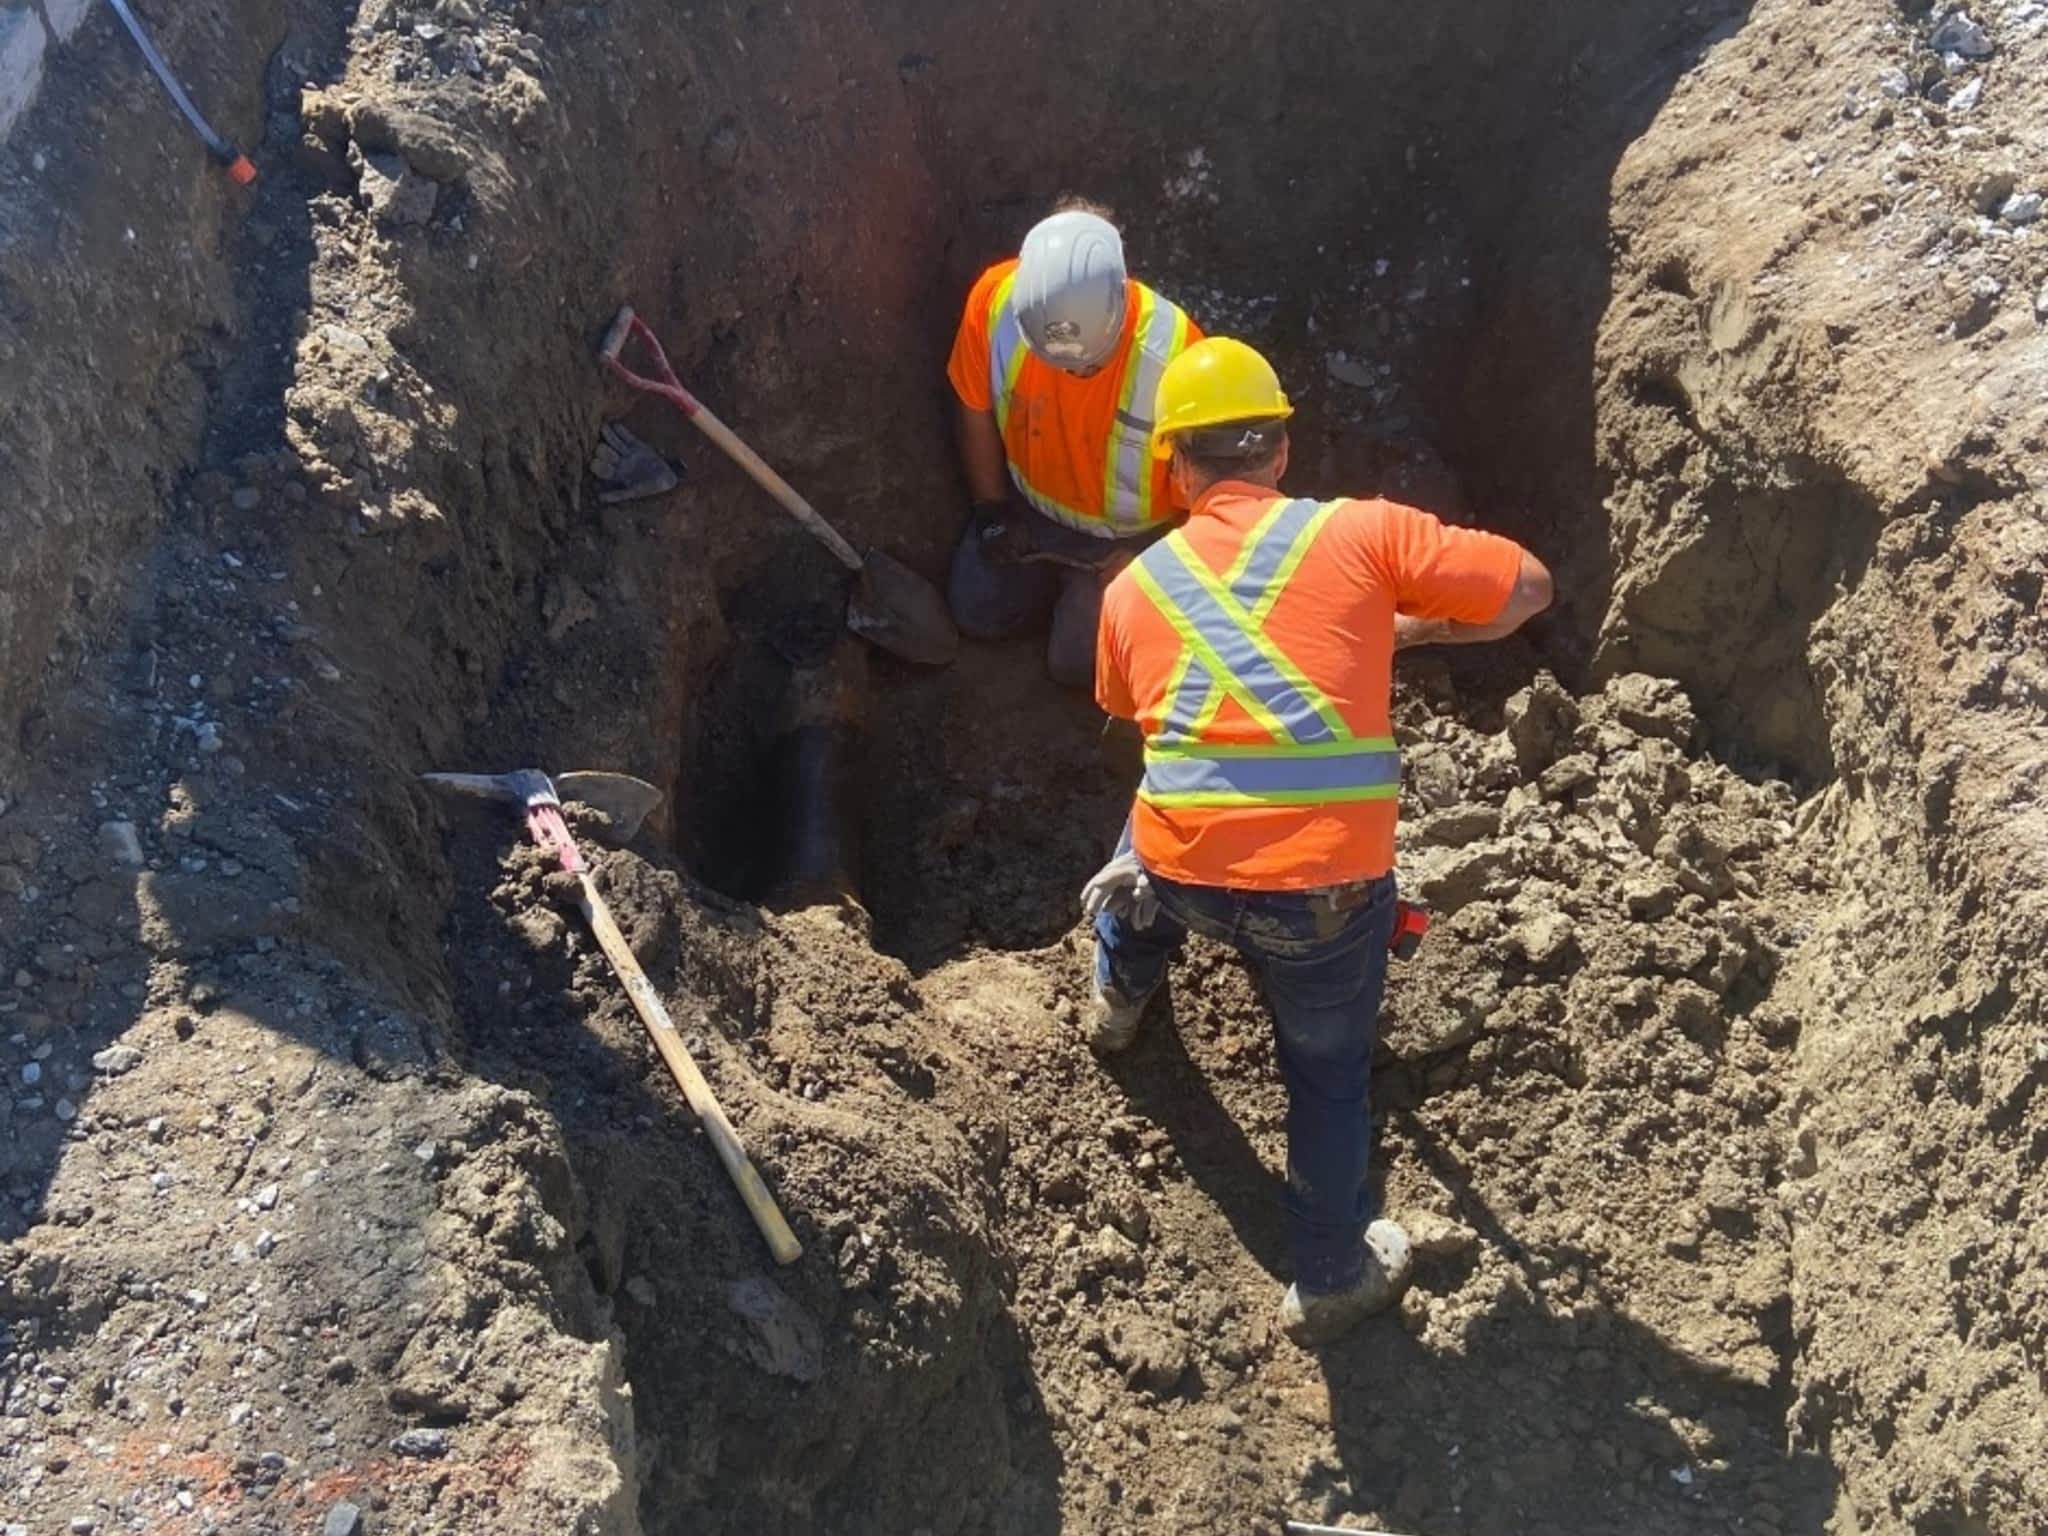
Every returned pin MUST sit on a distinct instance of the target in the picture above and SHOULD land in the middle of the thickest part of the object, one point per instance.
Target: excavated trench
(866, 924)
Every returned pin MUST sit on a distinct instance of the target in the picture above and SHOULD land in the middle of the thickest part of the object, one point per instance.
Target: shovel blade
(895, 608)
(626, 800)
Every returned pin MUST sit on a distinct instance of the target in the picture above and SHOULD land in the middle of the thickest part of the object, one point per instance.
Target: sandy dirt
(340, 1188)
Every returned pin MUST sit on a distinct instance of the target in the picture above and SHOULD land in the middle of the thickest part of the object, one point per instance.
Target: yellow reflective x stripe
(1006, 350)
(1253, 629)
(1212, 700)
(1250, 547)
(1291, 563)
(1177, 681)
(1193, 640)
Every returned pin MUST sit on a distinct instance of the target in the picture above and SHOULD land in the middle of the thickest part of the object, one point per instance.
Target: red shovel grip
(627, 326)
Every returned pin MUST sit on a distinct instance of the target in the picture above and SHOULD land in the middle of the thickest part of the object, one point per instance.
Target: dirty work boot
(1319, 1318)
(1111, 1020)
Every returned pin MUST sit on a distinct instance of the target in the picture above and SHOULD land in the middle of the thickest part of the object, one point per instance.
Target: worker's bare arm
(981, 454)
(1531, 594)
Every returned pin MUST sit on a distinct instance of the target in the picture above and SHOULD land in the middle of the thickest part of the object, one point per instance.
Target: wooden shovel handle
(703, 1102)
(776, 486)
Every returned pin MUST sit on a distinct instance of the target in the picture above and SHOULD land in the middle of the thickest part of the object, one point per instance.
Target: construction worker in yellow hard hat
(1055, 366)
(1254, 646)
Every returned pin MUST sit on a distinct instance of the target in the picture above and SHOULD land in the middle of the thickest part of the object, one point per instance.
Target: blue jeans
(1323, 965)
(996, 602)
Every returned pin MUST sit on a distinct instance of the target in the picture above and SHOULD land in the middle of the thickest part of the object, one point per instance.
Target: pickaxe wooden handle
(630, 799)
(703, 1102)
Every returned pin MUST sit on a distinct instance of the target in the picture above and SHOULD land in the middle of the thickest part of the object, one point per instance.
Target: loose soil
(339, 1172)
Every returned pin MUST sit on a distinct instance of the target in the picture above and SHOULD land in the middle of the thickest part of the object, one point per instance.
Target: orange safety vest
(1128, 502)
(1292, 746)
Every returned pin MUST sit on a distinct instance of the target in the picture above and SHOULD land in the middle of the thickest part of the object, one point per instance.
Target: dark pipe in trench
(813, 753)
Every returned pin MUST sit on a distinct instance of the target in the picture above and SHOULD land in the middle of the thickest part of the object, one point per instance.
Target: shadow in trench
(1540, 1419)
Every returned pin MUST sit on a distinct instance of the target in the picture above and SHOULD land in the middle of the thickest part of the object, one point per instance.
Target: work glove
(1002, 532)
(627, 469)
(1123, 888)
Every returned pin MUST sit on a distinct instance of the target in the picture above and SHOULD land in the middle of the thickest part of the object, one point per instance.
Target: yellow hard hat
(1212, 384)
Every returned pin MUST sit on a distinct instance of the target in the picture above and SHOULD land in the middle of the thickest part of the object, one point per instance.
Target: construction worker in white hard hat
(1056, 364)
(1254, 646)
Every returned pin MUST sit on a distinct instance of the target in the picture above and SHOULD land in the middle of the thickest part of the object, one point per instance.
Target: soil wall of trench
(342, 1175)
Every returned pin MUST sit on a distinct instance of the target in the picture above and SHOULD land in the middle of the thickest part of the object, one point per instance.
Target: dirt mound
(341, 1184)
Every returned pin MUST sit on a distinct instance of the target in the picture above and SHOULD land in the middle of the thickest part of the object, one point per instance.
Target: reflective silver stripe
(1275, 779)
(1263, 563)
(1006, 346)
(1130, 503)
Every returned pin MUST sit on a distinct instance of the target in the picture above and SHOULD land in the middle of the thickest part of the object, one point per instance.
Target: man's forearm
(981, 455)
(1412, 632)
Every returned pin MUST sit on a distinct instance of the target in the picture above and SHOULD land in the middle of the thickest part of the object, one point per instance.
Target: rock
(120, 842)
(1541, 720)
(1978, 304)
(566, 606)
(1346, 369)
(343, 1520)
(1152, 1357)
(32, 1073)
(266, 1198)
(1431, 774)
(1567, 774)
(116, 1059)
(1967, 95)
(783, 1339)
(66, 1111)
(1990, 191)
(1541, 939)
(1958, 34)
(641, 1290)
(1439, 1237)
(266, 1244)
(421, 1444)
(1650, 897)
(1652, 706)
(2022, 208)
(83, 1525)
(1482, 872)
(423, 143)
(390, 188)
(239, 1414)
(1459, 825)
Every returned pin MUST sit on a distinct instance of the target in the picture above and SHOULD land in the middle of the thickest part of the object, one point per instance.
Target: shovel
(627, 801)
(892, 606)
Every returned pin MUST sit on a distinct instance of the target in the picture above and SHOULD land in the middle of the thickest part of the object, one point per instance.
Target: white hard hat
(1071, 289)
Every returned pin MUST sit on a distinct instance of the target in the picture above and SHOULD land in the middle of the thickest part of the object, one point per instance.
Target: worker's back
(1315, 589)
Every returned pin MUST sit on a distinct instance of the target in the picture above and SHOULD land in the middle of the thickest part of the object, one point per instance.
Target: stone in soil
(422, 1444)
(343, 1520)
(120, 842)
(1152, 1356)
(116, 1059)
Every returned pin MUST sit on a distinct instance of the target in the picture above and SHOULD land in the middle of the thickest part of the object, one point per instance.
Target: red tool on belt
(1410, 924)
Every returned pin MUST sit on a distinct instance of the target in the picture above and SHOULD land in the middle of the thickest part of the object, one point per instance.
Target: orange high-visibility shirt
(1333, 619)
(1061, 430)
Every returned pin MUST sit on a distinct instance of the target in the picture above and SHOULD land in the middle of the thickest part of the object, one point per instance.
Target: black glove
(1002, 532)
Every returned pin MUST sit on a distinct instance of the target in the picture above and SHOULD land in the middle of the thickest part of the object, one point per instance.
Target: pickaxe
(627, 801)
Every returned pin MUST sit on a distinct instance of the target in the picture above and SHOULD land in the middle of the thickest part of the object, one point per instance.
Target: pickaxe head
(522, 787)
(623, 798)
